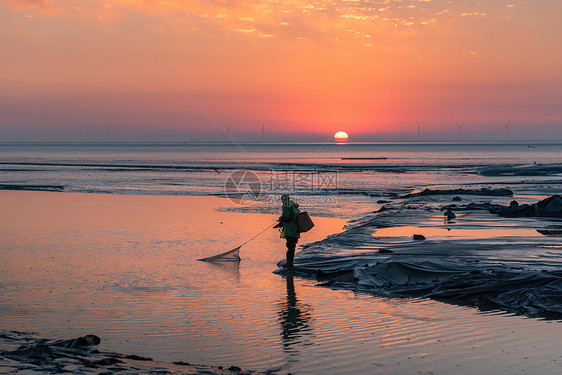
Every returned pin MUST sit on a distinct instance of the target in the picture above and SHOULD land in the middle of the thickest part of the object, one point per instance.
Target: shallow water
(123, 268)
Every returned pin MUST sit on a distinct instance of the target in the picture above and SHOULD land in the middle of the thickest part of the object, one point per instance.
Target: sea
(104, 239)
(334, 179)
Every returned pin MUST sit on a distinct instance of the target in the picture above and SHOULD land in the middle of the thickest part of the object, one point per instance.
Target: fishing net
(229, 256)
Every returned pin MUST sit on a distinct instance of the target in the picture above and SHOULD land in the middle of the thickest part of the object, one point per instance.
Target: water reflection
(230, 268)
(295, 318)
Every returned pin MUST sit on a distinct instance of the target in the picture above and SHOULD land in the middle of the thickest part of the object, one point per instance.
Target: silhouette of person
(288, 221)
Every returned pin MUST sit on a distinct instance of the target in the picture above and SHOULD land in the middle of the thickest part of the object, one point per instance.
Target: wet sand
(123, 268)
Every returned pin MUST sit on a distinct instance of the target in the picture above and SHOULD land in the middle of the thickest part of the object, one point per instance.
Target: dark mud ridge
(549, 207)
(524, 170)
(32, 187)
(502, 192)
(23, 353)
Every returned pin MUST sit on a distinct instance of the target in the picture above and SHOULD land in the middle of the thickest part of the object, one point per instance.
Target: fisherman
(288, 221)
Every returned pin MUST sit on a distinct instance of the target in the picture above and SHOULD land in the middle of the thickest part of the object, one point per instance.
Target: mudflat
(123, 268)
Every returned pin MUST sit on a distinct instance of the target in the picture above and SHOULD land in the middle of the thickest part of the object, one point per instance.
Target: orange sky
(91, 70)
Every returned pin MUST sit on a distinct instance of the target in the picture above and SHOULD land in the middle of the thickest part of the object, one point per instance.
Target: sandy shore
(124, 268)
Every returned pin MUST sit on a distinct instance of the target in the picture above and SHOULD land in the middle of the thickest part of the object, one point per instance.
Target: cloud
(267, 17)
(46, 7)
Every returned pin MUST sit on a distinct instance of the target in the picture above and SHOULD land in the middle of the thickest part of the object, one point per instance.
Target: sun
(341, 136)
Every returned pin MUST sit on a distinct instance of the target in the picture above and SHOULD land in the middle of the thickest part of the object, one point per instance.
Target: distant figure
(449, 215)
(288, 221)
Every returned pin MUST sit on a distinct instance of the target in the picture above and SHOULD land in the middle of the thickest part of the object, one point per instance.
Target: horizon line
(296, 142)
